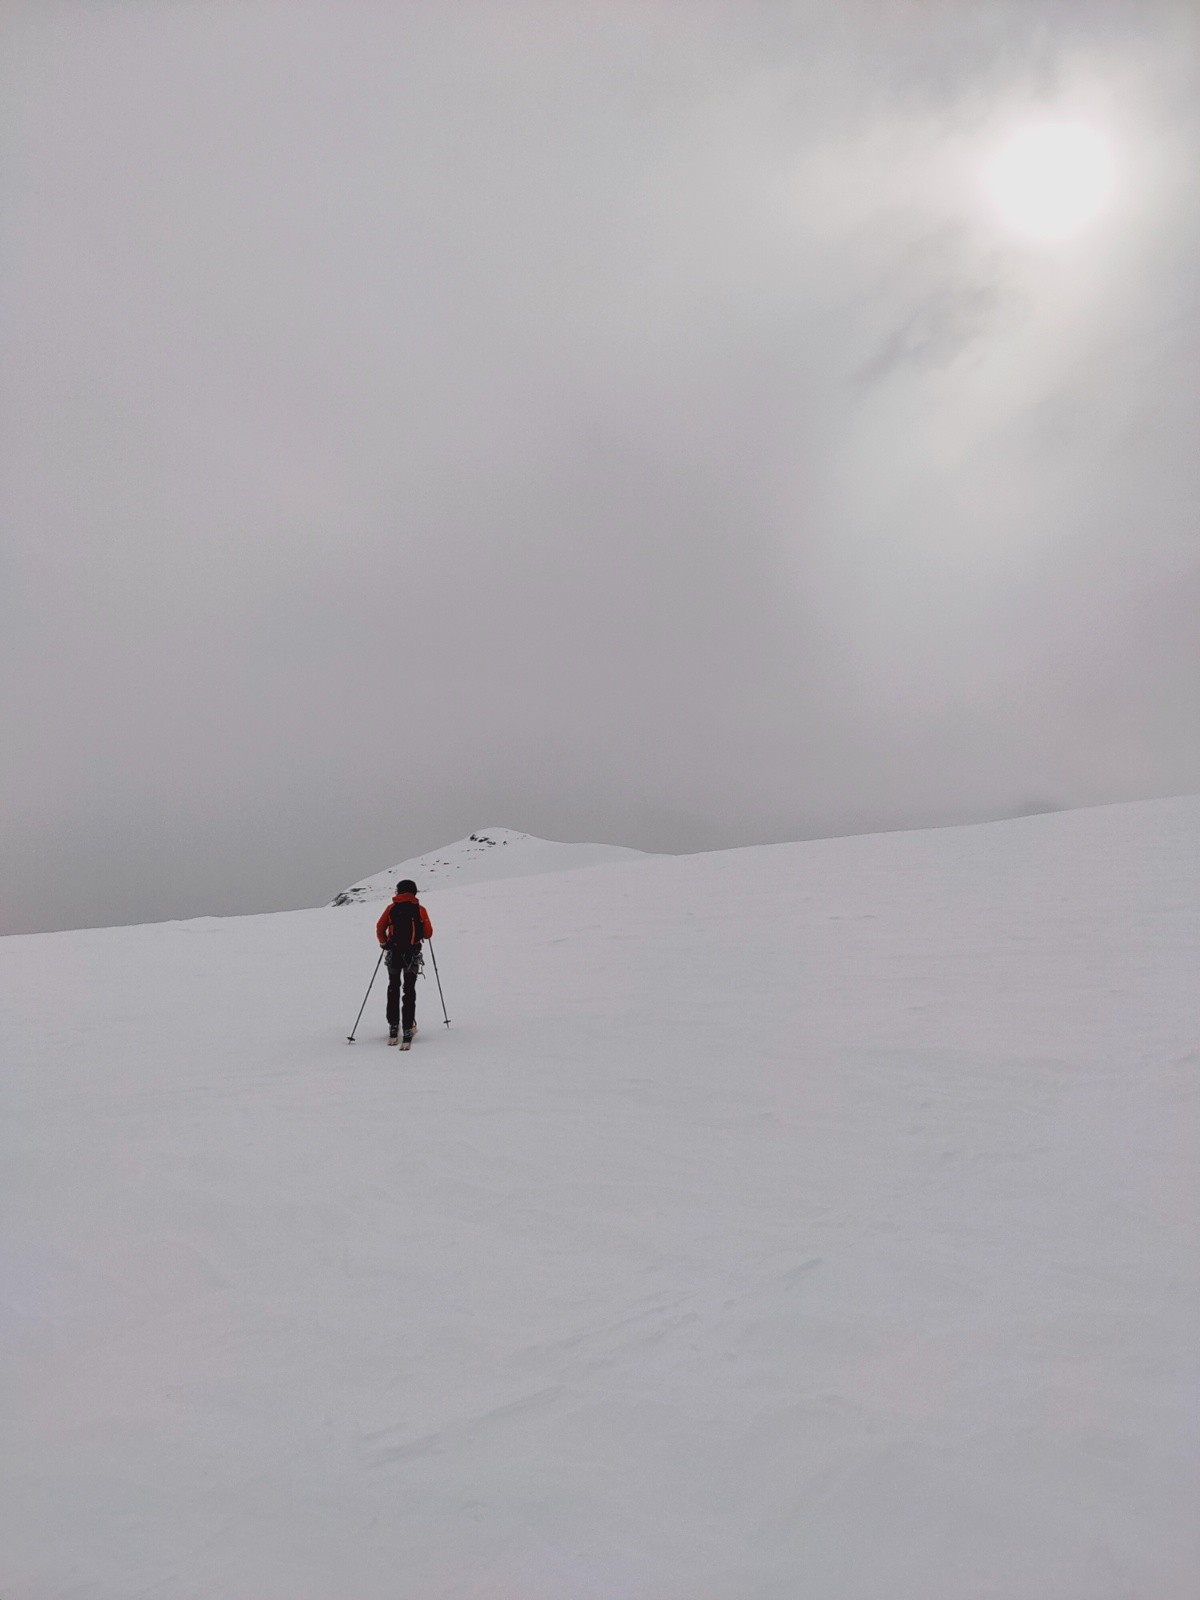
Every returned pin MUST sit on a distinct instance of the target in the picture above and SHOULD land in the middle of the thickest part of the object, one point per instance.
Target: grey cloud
(590, 419)
(935, 332)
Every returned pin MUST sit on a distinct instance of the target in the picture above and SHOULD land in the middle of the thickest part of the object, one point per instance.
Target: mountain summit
(482, 858)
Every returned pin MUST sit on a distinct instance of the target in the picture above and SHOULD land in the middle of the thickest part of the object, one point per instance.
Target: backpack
(406, 930)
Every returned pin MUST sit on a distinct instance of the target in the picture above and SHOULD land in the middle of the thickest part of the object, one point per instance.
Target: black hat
(406, 886)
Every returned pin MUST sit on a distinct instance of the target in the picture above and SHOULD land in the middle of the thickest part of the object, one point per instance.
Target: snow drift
(814, 1220)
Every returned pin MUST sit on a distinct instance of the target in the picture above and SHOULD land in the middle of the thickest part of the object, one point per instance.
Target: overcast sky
(623, 421)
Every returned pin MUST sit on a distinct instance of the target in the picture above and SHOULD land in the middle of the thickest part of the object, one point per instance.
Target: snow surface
(817, 1220)
(482, 858)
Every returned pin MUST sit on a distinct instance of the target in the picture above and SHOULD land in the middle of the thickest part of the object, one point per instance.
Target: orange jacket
(384, 926)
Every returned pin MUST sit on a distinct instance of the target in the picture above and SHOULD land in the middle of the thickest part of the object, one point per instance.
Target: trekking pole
(366, 997)
(438, 976)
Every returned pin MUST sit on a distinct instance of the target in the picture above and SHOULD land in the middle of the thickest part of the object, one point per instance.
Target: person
(400, 931)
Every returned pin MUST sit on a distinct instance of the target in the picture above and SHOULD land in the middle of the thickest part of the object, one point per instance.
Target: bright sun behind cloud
(1050, 179)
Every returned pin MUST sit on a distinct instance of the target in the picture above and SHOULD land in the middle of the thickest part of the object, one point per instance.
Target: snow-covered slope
(809, 1221)
(482, 858)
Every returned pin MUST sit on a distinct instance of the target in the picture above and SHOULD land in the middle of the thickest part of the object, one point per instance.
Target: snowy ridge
(813, 1220)
(482, 858)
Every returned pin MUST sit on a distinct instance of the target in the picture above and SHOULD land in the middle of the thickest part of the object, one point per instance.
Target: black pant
(402, 964)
